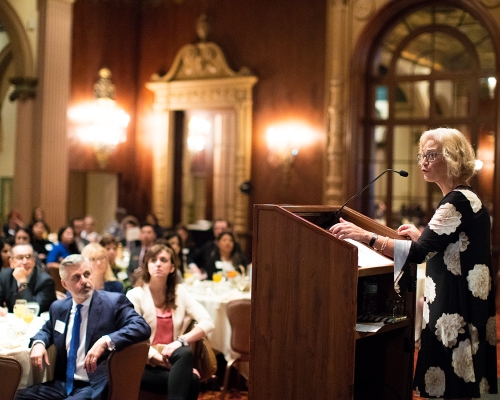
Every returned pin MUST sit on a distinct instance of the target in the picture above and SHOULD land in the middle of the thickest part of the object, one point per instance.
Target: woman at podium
(457, 356)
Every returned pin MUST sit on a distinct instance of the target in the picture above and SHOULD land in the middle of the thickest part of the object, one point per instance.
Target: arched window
(434, 66)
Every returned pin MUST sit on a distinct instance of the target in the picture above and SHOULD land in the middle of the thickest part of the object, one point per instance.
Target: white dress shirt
(80, 372)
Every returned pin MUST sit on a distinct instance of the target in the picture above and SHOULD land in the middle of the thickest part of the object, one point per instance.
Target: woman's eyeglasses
(431, 157)
(97, 259)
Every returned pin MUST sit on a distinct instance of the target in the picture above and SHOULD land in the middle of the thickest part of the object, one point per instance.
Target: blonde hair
(456, 150)
(96, 250)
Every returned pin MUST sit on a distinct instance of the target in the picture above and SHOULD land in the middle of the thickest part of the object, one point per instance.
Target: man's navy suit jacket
(110, 314)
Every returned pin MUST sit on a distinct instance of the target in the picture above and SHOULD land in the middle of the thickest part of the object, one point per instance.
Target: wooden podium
(306, 293)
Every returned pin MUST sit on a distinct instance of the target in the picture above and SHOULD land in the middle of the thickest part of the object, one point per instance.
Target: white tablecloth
(16, 346)
(214, 297)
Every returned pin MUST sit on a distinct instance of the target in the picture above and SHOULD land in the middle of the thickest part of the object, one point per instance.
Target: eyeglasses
(96, 259)
(21, 257)
(431, 157)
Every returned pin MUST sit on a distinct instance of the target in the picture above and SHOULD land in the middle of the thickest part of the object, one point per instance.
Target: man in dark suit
(84, 328)
(24, 280)
(148, 237)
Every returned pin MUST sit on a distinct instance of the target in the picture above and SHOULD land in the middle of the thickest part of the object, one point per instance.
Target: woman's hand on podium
(409, 231)
(347, 230)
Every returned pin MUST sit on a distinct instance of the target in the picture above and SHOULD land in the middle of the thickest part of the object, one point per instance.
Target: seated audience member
(5, 246)
(225, 250)
(164, 304)
(104, 321)
(22, 236)
(25, 281)
(38, 215)
(65, 247)
(115, 228)
(14, 222)
(152, 219)
(89, 233)
(174, 240)
(188, 243)
(132, 232)
(39, 240)
(147, 237)
(77, 225)
(110, 243)
(197, 261)
(102, 274)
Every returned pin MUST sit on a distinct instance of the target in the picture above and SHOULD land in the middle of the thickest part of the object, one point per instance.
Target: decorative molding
(491, 3)
(200, 61)
(363, 9)
(201, 79)
(24, 88)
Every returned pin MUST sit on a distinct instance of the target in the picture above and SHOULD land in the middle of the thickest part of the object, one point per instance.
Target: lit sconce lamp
(492, 83)
(478, 165)
(101, 123)
(284, 142)
(198, 131)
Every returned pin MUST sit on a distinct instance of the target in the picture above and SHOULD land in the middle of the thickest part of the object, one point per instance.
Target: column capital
(24, 88)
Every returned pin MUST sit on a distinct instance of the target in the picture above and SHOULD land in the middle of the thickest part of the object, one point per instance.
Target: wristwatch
(22, 286)
(373, 239)
(182, 341)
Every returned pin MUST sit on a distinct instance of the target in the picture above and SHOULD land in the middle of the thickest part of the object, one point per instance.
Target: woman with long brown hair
(165, 304)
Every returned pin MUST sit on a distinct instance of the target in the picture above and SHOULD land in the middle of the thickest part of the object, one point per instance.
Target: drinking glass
(20, 308)
(33, 306)
(217, 276)
(242, 283)
(29, 315)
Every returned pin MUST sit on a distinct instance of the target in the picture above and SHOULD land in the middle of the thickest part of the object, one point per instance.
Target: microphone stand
(402, 173)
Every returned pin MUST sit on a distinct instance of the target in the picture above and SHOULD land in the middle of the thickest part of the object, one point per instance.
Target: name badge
(60, 326)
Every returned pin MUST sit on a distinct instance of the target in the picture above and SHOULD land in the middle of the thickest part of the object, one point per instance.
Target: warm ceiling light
(100, 122)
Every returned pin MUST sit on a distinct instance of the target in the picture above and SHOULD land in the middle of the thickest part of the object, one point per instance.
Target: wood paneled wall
(282, 42)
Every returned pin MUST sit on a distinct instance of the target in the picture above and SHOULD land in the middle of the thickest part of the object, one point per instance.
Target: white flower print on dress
(475, 203)
(452, 254)
(474, 336)
(448, 326)
(491, 331)
(429, 289)
(445, 220)
(479, 281)
(435, 381)
(462, 361)
(425, 316)
(484, 387)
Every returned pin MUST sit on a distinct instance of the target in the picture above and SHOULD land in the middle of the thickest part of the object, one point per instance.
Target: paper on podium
(368, 257)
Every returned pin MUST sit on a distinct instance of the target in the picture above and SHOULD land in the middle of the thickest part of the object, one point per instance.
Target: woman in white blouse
(165, 304)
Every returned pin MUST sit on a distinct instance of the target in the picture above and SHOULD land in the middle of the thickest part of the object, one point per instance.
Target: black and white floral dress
(457, 357)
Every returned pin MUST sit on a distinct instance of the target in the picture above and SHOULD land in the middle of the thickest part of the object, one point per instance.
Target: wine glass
(20, 308)
(242, 283)
(33, 305)
(29, 315)
(217, 276)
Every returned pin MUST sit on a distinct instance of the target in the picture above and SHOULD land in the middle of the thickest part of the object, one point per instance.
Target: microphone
(404, 174)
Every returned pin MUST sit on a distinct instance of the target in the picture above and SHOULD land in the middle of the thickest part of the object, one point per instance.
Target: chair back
(11, 372)
(125, 369)
(53, 271)
(238, 313)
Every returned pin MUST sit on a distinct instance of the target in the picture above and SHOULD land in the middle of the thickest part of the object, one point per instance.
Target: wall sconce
(478, 165)
(100, 123)
(284, 142)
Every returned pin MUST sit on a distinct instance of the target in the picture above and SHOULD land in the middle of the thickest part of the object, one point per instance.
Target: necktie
(73, 349)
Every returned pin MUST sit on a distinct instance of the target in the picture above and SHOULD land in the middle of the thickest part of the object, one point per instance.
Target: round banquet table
(214, 297)
(14, 342)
